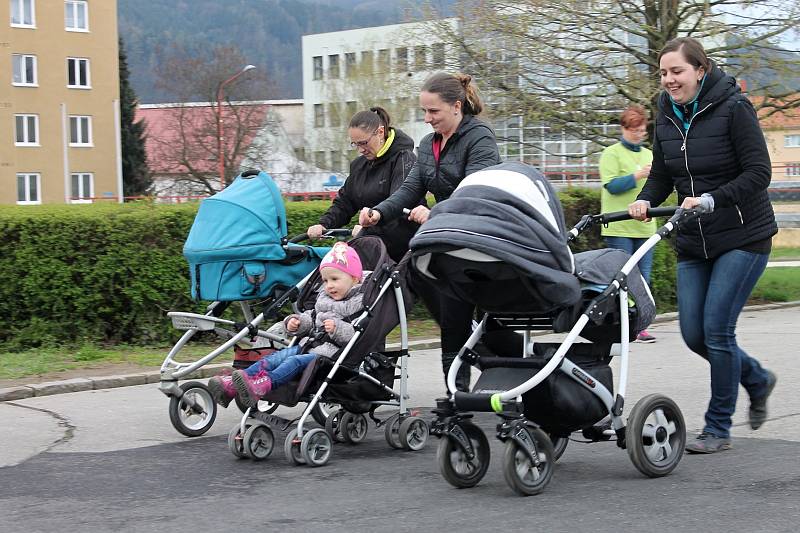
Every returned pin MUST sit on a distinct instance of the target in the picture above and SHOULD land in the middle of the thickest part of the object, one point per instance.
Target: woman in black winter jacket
(709, 148)
(459, 145)
(386, 157)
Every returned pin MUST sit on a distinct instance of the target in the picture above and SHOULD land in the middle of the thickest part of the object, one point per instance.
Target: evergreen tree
(136, 177)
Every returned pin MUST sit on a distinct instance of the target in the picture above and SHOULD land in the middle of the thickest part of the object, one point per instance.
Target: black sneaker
(758, 406)
(708, 443)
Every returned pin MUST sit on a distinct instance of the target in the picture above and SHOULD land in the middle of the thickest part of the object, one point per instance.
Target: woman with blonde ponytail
(459, 145)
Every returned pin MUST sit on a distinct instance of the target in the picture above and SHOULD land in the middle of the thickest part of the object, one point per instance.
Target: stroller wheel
(524, 476)
(456, 467)
(322, 410)
(291, 449)
(258, 442)
(316, 447)
(353, 427)
(656, 435)
(390, 431)
(413, 433)
(236, 443)
(559, 445)
(193, 413)
(333, 425)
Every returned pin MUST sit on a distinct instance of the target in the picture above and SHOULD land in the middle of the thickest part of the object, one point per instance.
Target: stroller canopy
(502, 224)
(246, 220)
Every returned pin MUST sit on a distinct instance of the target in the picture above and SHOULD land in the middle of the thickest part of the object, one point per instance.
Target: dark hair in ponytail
(372, 120)
(453, 88)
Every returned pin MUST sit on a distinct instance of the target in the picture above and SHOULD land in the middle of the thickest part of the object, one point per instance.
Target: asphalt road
(110, 461)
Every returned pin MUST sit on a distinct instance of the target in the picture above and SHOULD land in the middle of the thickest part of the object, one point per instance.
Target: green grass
(778, 284)
(785, 253)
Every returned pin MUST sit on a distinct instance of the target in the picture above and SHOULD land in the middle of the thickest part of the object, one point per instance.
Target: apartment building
(59, 102)
(348, 71)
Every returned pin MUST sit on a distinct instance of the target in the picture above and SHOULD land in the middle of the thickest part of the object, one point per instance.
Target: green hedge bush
(109, 273)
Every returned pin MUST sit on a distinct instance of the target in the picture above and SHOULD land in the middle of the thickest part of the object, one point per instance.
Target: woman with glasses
(459, 145)
(624, 168)
(386, 155)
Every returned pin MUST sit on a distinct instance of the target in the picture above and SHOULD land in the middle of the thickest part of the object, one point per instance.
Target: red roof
(180, 136)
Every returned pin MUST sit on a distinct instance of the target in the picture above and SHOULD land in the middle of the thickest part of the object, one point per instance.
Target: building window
(28, 188)
(366, 62)
(792, 170)
(80, 130)
(76, 15)
(319, 116)
(384, 63)
(350, 64)
(23, 13)
(82, 187)
(336, 161)
(352, 109)
(438, 55)
(420, 114)
(333, 66)
(78, 73)
(317, 67)
(420, 57)
(791, 141)
(26, 130)
(24, 67)
(402, 59)
(319, 159)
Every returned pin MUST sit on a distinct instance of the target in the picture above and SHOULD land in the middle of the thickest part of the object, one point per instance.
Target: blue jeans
(282, 365)
(630, 245)
(711, 294)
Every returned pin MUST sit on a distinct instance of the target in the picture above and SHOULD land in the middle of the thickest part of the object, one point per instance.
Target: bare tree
(187, 141)
(573, 64)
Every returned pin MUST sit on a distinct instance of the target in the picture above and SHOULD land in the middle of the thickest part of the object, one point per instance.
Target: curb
(48, 388)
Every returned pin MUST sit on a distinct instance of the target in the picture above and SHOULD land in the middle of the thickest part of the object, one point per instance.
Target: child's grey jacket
(327, 308)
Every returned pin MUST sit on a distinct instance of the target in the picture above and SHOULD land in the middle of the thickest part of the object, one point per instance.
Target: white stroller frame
(654, 460)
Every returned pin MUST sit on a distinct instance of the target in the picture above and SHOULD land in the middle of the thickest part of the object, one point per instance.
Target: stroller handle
(329, 233)
(678, 215)
(623, 215)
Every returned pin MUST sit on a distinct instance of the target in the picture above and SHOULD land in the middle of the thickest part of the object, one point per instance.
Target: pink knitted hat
(344, 258)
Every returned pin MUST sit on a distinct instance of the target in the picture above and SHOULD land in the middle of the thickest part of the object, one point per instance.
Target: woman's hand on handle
(638, 210)
(368, 217)
(419, 214)
(315, 231)
(690, 202)
(356, 230)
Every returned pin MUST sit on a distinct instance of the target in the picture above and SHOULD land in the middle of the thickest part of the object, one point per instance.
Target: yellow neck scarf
(386, 145)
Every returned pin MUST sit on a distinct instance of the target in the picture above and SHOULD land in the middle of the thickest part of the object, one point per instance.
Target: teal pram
(238, 251)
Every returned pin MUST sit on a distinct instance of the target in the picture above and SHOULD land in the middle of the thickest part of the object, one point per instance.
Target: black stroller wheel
(656, 435)
(559, 445)
(258, 442)
(194, 412)
(413, 433)
(322, 410)
(390, 432)
(457, 469)
(236, 442)
(524, 476)
(334, 427)
(353, 427)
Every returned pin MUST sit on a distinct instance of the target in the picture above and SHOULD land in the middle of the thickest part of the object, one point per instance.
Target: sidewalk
(45, 388)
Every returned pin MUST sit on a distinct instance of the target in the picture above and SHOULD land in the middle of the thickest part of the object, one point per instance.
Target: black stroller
(500, 242)
(360, 378)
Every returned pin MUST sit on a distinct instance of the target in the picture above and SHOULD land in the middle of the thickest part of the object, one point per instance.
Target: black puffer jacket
(723, 153)
(471, 148)
(371, 182)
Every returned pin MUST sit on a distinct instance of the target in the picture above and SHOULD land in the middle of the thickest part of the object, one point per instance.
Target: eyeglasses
(362, 144)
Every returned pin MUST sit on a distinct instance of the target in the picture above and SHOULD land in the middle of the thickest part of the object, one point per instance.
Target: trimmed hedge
(108, 273)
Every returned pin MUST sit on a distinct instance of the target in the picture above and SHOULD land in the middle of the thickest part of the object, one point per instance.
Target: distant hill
(267, 31)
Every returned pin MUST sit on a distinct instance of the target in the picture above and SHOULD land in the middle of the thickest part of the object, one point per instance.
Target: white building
(348, 71)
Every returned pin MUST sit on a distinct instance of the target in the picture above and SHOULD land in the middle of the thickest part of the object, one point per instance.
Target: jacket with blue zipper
(723, 153)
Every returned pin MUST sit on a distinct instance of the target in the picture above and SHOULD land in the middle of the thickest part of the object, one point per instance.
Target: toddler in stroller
(326, 329)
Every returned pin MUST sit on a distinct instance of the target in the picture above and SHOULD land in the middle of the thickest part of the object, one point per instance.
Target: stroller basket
(187, 321)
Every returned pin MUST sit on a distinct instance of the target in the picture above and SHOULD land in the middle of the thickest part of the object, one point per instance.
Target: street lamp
(220, 93)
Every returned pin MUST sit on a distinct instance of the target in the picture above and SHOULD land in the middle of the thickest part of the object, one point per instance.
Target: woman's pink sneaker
(222, 389)
(251, 389)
